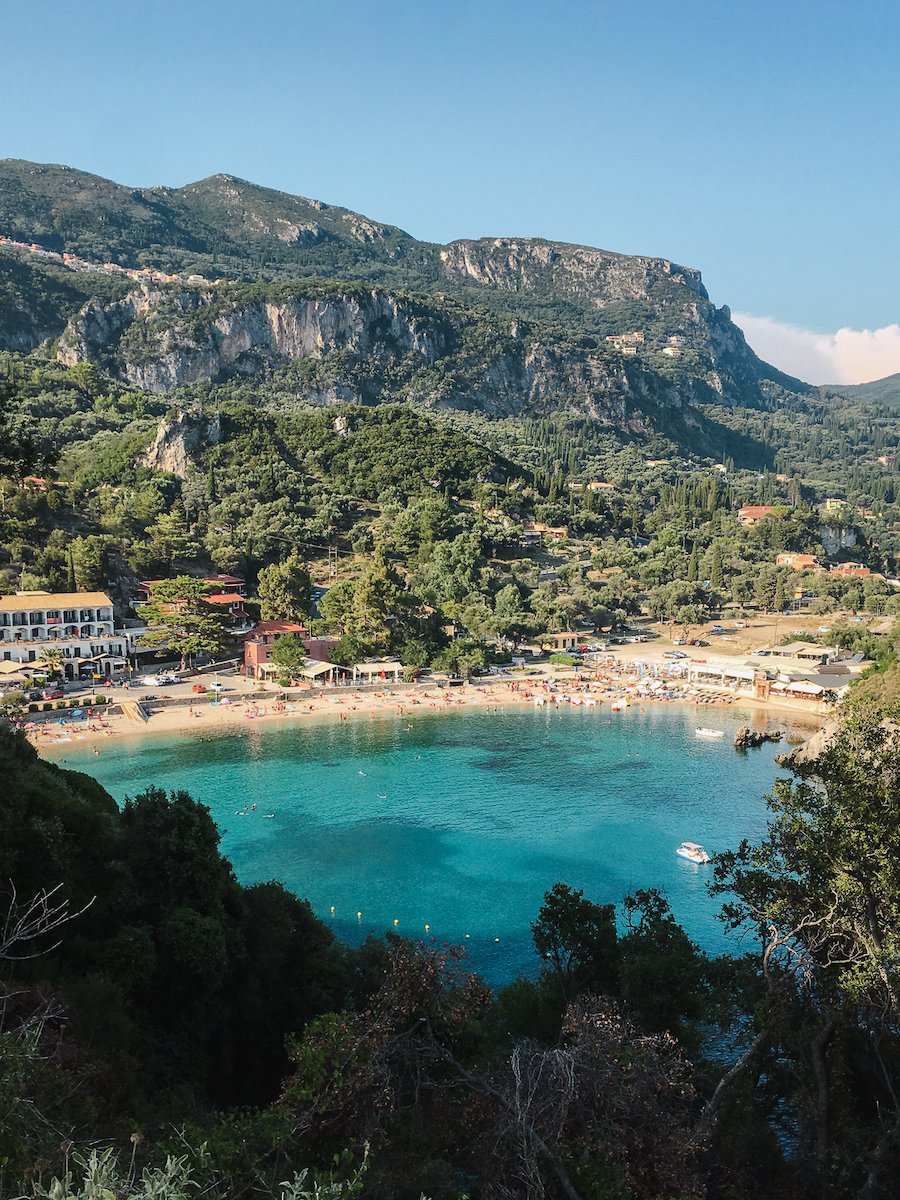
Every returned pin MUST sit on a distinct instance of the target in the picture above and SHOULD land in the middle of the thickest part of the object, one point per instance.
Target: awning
(314, 669)
(375, 669)
(799, 687)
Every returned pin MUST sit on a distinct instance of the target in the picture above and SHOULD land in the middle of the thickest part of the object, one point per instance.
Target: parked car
(53, 694)
(674, 654)
(168, 680)
(149, 681)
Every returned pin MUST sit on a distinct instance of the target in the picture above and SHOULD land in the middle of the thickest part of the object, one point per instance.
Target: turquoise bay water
(462, 821)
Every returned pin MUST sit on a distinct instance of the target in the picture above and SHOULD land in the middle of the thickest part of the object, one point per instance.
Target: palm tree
(51, 661)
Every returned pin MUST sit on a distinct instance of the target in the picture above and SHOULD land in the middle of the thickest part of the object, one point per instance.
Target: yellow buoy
(332, 910)
(427, 927)
(359, 916)
(396, 920)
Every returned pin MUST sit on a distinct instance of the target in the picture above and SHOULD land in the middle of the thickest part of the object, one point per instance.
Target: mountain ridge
(529, 324)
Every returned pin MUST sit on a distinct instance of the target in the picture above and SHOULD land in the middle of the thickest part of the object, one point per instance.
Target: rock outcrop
(746, 737)
(532, 264)
(159, 342)
(178, 440)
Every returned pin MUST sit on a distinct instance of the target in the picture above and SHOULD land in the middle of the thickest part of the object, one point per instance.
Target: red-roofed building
(798, 562)
(218, 585)
(751, 513)
(851, 570)
(235, 605)
(261, 638)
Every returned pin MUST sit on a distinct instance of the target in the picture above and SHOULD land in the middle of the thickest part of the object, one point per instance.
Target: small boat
(706, 732)
(693, 853)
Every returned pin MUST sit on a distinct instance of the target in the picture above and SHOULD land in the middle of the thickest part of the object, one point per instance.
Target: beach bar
(382, 669)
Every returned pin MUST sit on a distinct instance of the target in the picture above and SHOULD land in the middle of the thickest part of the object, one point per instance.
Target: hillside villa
(798, 562)
(751, 513)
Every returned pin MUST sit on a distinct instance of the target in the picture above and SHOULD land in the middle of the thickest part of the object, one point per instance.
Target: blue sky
(756, 141)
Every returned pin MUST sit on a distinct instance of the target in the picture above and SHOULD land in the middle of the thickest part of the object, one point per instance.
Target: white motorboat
(693, 853)
(705, 732)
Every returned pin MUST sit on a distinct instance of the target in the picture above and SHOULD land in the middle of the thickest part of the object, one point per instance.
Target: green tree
(170, 540)
(288, 653)
(284, 589)
(715, 567)
(85, 377)
(180, 618)
(662, 972)
(577, 938)
(780, 599)
(88, 560)
(822, 893)
(51, 661)
(461, 657)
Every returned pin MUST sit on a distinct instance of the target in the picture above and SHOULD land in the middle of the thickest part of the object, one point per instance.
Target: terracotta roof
(225, 598)
(34, 601)
(276, 627)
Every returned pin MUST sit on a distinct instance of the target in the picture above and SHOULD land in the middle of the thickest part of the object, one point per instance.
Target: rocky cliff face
(159, 342)
(373, 345)
(531, 264)
(178, 440)
(97, 327)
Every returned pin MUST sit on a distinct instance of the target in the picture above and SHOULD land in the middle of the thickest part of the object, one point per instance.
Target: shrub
(47, 706)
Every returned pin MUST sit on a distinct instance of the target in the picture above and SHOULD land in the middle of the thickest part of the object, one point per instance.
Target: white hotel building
(80, 624)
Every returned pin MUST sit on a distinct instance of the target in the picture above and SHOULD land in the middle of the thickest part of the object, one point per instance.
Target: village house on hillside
(751, 513)
(798, 562)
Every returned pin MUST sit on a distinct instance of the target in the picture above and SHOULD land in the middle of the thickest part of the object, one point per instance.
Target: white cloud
(848, 356)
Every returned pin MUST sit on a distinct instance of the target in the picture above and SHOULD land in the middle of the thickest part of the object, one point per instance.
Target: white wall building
(80, 624)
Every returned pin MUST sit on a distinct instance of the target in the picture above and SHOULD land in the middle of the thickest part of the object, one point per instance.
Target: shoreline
(403, 703)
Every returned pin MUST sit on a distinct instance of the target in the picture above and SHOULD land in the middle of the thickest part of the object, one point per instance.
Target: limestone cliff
(369, 346)
(532, 264)
(178, 440)
(159, 342)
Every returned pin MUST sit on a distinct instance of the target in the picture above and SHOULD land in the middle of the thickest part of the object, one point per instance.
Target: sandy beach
(615, 686)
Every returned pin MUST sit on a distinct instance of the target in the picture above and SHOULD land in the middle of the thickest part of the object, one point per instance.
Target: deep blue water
(462, 821)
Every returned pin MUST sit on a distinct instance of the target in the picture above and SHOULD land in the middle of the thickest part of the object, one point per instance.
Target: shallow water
(461, 821)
